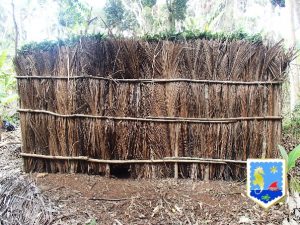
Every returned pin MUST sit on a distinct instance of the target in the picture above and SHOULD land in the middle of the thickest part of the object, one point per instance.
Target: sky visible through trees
(38, 20)
(50, 19)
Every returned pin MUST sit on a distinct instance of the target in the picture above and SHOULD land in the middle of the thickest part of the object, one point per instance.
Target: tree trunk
(16, 27)
(171, 18)
(171, 22)
(294, 71)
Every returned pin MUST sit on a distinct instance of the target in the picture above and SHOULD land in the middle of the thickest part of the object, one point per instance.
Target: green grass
(48, 45)
(193, 35)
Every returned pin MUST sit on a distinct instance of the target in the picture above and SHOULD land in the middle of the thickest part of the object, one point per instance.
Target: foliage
(295, 184)
(117, 17)
(148, 3)
(49, 45)
(177, 8)
(186, 35)
(129, 23)
(177, 12)
(92, 222)
(291, 124)
(72, 13)
(114, 12)
(8, 97)
(291, 159)
(280, 3)
(196, 34)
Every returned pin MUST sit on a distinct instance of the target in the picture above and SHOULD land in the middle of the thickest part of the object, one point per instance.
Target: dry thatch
(200, 98)
(22, 203)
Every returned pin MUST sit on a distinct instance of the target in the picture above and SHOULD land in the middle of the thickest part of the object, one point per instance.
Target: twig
(112, 199)
(10, 143)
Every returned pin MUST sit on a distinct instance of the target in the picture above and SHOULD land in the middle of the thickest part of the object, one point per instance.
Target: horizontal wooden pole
(144, 161)
(216, 160)
(153, 80)
(155, 119)
(84, 158)
(135, 161)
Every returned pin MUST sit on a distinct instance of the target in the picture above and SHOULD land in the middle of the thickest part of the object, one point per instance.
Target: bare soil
(119, 201)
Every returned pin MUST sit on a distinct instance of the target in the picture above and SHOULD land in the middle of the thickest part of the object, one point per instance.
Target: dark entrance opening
(120, 171)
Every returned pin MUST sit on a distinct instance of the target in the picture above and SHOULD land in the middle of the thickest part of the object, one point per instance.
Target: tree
(148, 3)
(15, 26)
(74, 16)
(118, 18)
(280, 3)
(177, 12)
(114, 12)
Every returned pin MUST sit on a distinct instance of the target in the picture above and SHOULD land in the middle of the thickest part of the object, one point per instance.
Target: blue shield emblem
(266, 181)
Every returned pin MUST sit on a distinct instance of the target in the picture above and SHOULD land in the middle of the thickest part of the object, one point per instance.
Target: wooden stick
(107, 170)
(112, 199)
(264, 131)
(155, 119)
(10, 143)
(221, 119)
(53, 156)
(217, 160)
(176, 150)
(154, 80)
(135, 161)
(206, 96)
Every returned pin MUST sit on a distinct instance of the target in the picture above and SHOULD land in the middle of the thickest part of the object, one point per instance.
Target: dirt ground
(84, 199)
(109, 201)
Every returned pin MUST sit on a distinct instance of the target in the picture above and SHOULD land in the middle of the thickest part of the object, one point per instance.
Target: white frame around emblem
(284, 177)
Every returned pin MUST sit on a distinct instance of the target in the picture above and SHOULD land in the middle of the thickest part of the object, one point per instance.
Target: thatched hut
(195, 108)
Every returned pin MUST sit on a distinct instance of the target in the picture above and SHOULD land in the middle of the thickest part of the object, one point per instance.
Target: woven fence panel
(75, 102)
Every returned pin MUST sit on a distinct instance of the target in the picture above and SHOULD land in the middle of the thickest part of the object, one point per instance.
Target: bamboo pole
(131, 161)
(155, 119)
(153, 80)
(29, 155)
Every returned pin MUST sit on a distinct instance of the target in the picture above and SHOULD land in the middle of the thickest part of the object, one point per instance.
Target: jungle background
(26, 21)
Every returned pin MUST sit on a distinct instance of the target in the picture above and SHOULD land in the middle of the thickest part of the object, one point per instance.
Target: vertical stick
(176, 150)
(107, 170)
(279, 112)
(206, 173)
(194, 171)
(153, 172)
(264, 145)
(271, 128)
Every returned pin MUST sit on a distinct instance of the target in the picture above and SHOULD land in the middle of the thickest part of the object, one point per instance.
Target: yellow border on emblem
(284, 179)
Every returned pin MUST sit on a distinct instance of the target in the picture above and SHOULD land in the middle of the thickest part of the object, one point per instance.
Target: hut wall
(138, 100)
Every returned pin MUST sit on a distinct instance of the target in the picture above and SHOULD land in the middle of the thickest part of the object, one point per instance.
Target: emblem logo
(266, 181)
